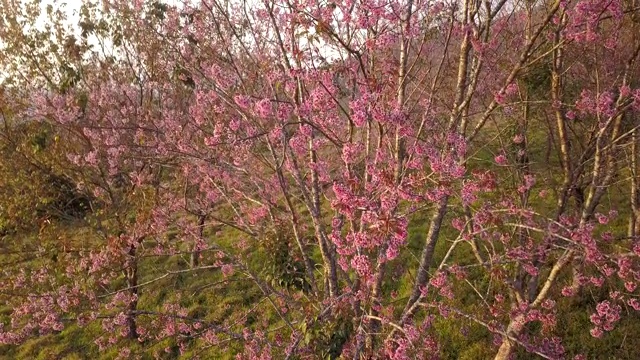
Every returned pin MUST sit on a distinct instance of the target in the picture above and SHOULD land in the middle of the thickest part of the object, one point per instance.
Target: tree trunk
(195, 254)
(425, 260)
(634, 217)
(513, 330)
(132, 285)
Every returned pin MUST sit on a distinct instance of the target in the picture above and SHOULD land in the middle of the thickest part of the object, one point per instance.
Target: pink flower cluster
(604, 318)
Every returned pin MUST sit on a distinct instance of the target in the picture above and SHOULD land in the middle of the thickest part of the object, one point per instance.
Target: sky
(70, 7)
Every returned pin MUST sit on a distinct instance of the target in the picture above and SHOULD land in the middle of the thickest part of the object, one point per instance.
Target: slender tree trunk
(634, 217)
(132, 285)
(422, 277)
(195, 254)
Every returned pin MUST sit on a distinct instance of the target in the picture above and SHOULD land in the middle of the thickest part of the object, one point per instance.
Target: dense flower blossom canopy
(361, 172)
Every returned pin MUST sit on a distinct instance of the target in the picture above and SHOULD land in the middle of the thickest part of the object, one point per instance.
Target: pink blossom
(501, 98)
(511, 89)
(242, 101)
(634, 303)
(501, 159)
(630, 286)
(350, 152)
(263, 108)
(227, 270)
(361, 265)
(602, 219)
(568, 291)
